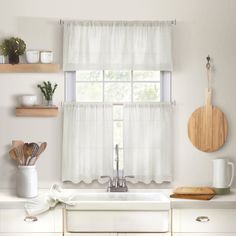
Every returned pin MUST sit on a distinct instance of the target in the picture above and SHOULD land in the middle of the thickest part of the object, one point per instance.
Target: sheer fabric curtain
(117, 45)
(87, 142)
(147, 142)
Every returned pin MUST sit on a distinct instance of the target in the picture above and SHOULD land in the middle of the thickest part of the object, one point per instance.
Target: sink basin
(143, 197)
(120, 201)
(118, 212)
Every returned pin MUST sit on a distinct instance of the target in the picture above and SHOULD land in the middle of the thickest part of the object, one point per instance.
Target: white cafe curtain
(87, 142)
(91, 45)
(147, 142)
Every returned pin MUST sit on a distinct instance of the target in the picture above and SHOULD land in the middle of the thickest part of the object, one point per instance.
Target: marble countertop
(8, 199)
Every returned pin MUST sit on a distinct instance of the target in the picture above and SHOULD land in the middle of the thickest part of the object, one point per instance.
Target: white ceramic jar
(2, 59)
(28, 100)
(46, 57)
(27, 181)
(32, 56)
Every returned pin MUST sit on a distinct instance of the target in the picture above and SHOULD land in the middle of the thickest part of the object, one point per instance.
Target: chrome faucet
(117, 183)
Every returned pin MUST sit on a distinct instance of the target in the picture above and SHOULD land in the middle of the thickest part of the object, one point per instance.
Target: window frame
(165, 93)
(165, 86)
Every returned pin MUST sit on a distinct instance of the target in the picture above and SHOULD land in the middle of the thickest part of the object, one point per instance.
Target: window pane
(90, 75)
(89, 92)
(146, 92)
(146, 75)
(118, 133)
(117, 112)
(117, 92)
(117, 75)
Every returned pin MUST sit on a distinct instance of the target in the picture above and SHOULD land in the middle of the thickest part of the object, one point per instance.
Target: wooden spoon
(16, 155)
(27, 152)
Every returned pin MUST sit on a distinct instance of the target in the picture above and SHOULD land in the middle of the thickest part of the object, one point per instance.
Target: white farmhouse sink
(118, 212)
(125, 196)
(122, 201)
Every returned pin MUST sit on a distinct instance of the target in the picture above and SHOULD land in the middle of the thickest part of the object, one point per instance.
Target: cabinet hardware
(202, 219)
(30, 219)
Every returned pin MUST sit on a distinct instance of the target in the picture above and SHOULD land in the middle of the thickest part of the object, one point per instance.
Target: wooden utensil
(17, 155)
(17, 143)
(41, 149)
(207, 126)
(13, 156)
(27, 152)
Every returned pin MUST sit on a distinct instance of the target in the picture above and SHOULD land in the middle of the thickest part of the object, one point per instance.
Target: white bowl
(46, 57)
(28, 100)
(32, 56)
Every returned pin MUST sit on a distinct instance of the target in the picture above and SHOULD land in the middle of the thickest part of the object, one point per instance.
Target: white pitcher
(221, 173)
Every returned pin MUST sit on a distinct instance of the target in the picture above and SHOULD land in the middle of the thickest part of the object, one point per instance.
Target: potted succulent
(47, 90)
(13, 48)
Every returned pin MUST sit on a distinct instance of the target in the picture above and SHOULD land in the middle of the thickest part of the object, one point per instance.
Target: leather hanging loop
(208, 67)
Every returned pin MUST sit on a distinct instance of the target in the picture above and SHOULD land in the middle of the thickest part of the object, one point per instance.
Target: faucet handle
(129, 176)
(106, 176)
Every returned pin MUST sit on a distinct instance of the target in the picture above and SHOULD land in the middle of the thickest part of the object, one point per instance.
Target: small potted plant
(13, 48)
(47, 90)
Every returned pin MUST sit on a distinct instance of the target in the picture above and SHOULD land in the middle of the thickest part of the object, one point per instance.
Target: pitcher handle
(232, 174)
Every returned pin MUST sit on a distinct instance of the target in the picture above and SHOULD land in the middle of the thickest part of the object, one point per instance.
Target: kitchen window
(118, 88)
(122, 70)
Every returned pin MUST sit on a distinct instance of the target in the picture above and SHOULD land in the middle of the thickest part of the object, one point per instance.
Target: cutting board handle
(208, 96)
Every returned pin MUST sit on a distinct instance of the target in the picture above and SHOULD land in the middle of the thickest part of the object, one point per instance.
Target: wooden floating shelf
(37, 111)
(29, 68)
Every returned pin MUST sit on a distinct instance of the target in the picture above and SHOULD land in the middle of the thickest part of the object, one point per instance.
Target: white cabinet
(144, 234)
(204, 222)
(90, 234)
(203, 234)
(117, 234)
(12, 223)
(31, 234)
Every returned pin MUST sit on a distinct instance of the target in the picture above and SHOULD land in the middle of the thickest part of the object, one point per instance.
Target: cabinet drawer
(204, 220)
(12, 221)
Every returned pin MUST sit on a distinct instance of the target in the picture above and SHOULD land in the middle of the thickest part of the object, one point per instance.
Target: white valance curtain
(89, 45)
(87, 142)
(147, 142)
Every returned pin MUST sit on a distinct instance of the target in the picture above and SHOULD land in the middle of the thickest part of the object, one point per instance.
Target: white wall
(203, 27)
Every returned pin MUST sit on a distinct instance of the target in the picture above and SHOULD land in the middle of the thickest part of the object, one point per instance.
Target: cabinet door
(31, 234)
(144, 234)
(203, 234)
(204, 221)
(90, 234)
(13, 221)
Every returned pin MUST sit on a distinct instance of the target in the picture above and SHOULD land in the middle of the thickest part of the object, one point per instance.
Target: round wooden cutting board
(207, 126)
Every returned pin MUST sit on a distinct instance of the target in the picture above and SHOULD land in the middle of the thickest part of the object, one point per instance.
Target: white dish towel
(48, 200)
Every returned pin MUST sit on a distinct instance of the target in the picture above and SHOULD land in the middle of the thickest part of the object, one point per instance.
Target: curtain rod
(173, 22)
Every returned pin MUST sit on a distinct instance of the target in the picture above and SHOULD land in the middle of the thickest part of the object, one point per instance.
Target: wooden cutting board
(207, 126)
(193, 196)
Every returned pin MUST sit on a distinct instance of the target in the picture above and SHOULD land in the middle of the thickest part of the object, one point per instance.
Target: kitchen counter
(8, 199)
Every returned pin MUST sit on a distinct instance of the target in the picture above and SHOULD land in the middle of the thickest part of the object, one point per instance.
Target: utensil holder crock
(27, 181)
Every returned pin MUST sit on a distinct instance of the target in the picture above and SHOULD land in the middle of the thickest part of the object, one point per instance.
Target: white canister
(27, 181)
(32, 56)
(2, 59)
(221, 178)
(46, 57)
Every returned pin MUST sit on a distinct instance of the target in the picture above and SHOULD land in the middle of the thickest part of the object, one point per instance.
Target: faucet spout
(117, 161)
